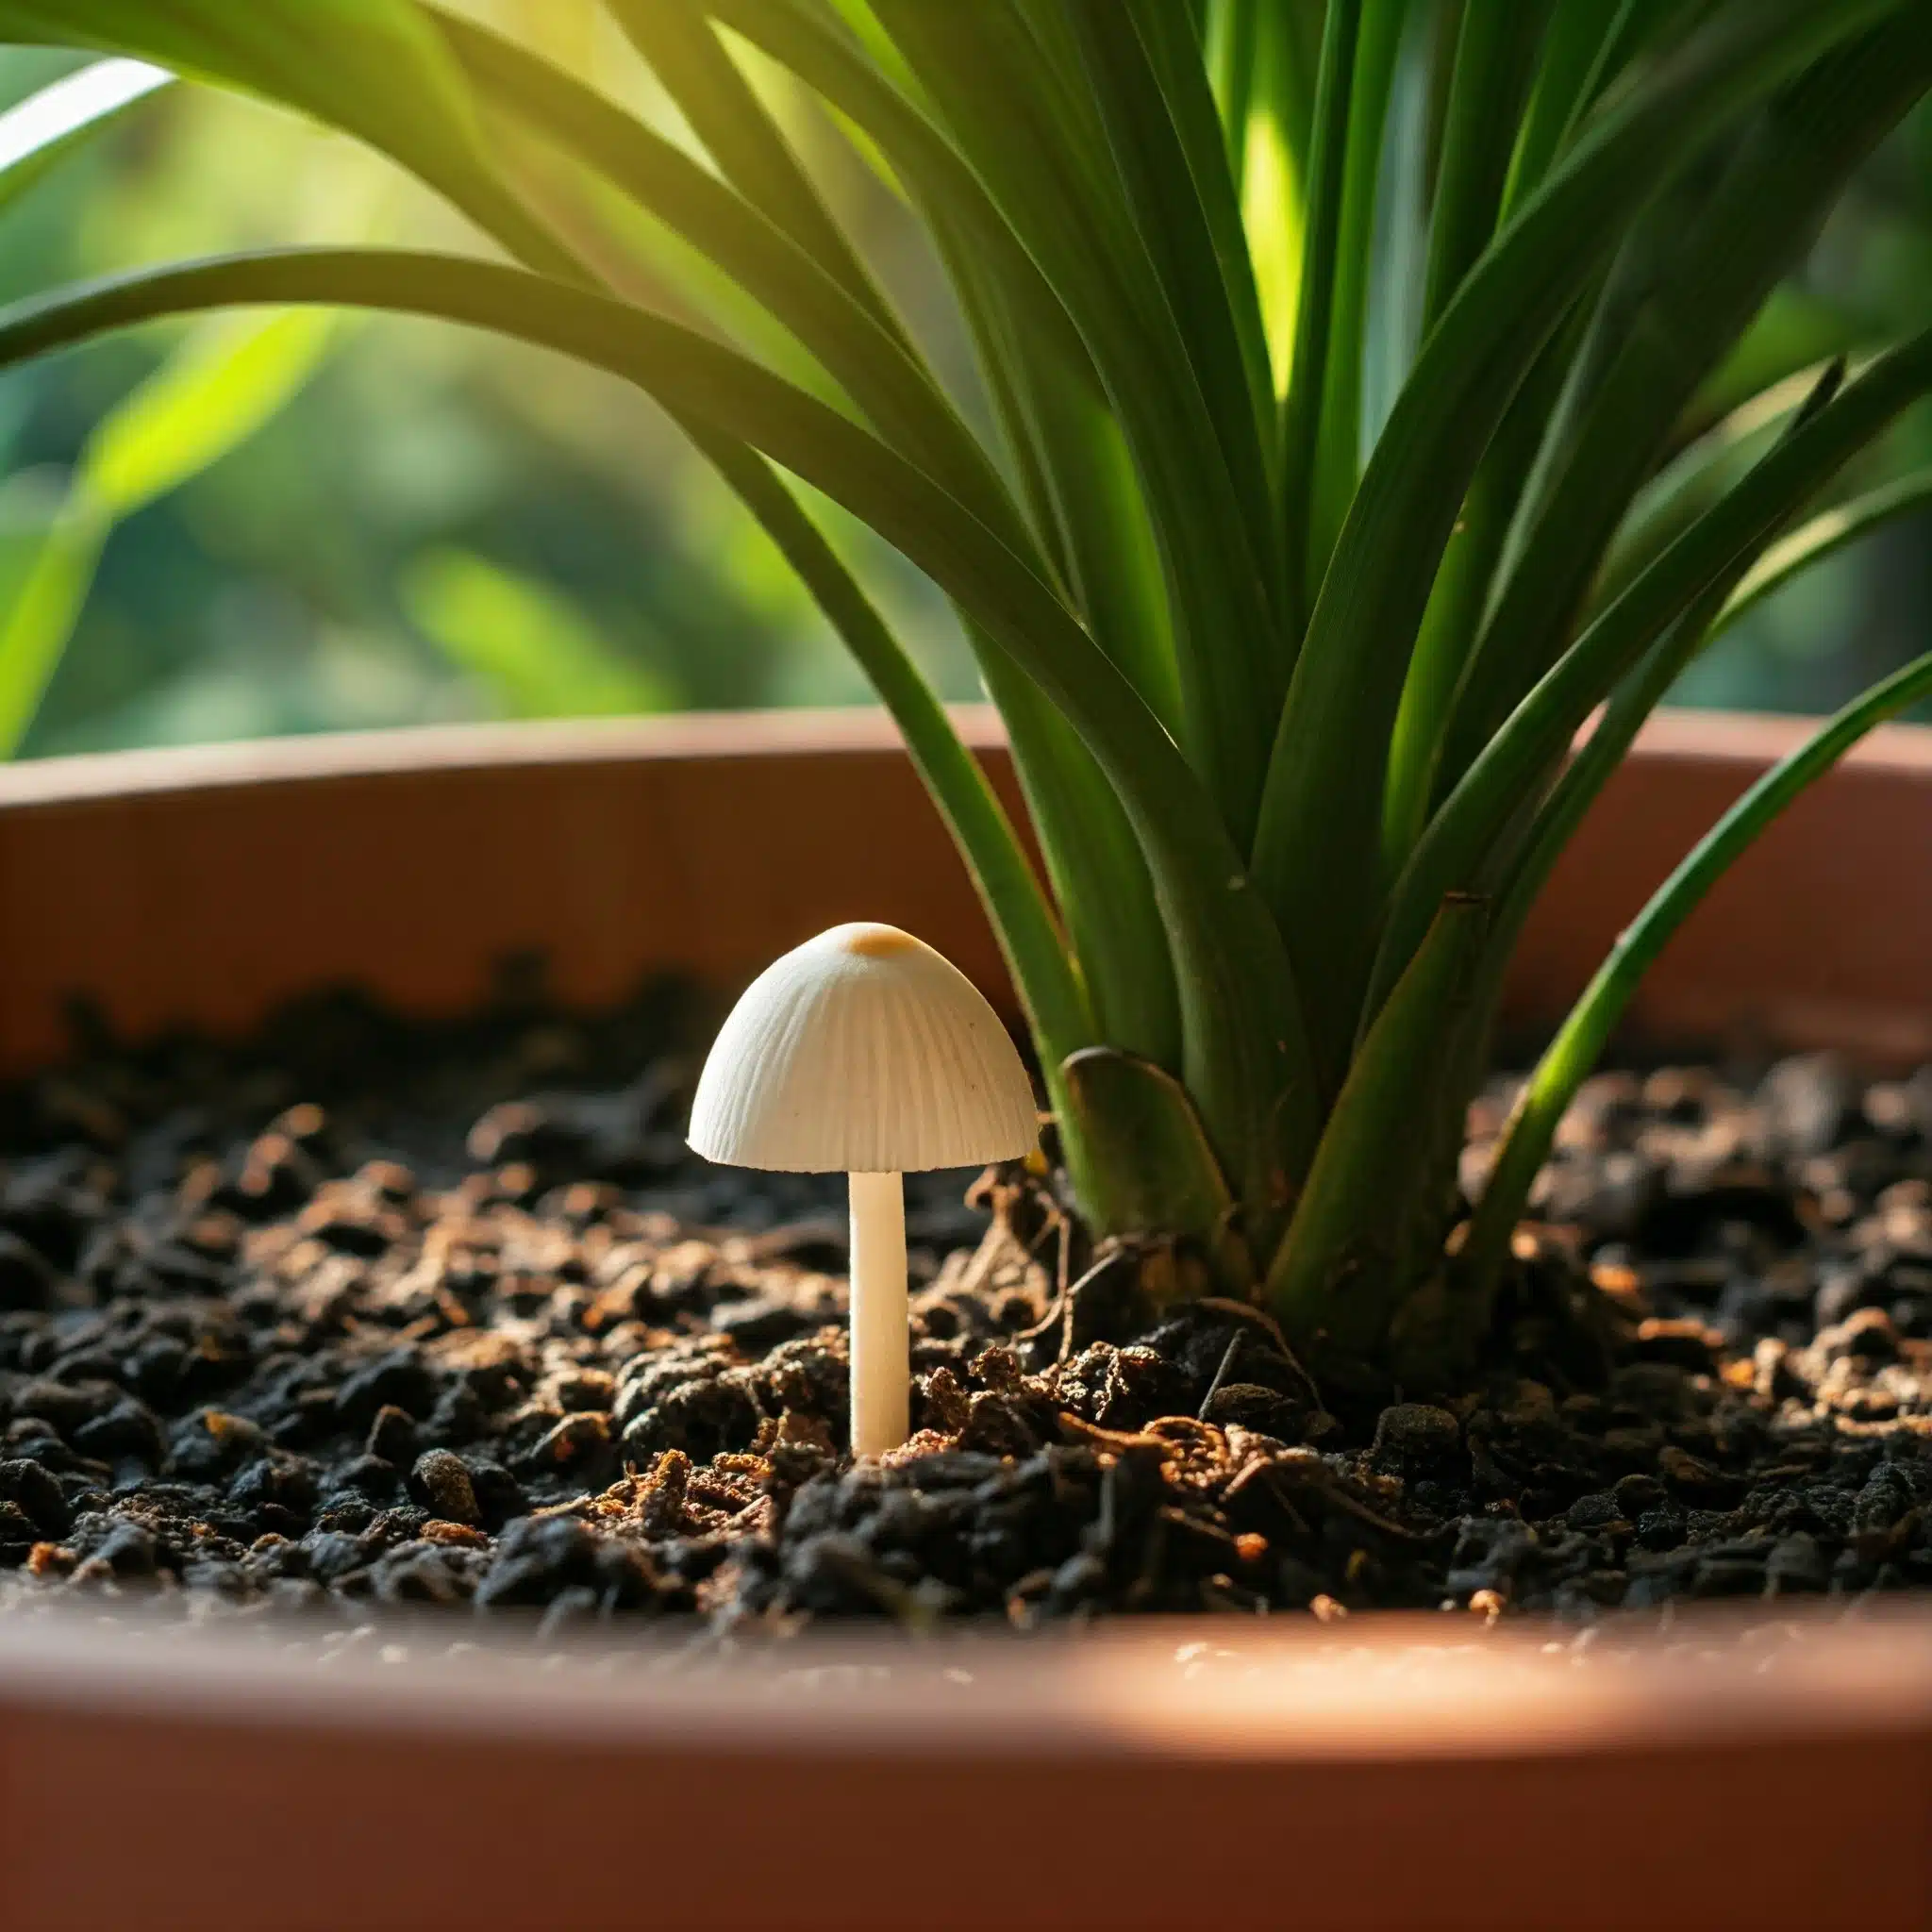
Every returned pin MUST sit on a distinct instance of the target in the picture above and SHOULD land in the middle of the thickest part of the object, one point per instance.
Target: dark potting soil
(374, 1313)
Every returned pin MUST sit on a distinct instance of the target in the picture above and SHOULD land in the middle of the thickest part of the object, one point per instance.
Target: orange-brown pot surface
(1375, 1773)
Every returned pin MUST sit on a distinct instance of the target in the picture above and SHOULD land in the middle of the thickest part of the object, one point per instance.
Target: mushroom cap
(863, 1051)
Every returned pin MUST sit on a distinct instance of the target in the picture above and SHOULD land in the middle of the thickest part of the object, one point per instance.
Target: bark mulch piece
(370, 1313)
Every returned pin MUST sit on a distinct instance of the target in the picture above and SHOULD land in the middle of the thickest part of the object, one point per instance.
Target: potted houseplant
(1291, 684)
(209, 884)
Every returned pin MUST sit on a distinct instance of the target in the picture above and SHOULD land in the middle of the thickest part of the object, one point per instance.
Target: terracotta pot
(1382, 1772)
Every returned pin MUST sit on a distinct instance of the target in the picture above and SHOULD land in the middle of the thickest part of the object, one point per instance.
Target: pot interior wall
(206, 886)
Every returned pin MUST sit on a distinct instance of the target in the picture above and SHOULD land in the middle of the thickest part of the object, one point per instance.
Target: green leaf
(47, 560)
(1273, 173)
(1288, 46)
(1099, 878)
(1686, 487)
(1315, 305)
(1459, 595)
(1112, 560)
(1359, 249)
(1245, 1050)
(1057, 1007)
(1518, 761)
(938, 179)
(1053, 399)
(1104, 890)
(526, 639)
(1689, 280)
(50, 125)
(1794, 331)
(1827, 533)
(374, 68)
(1152, 1169)
(230, 377)
(870, 359)
(750, 149)
(1173, 47)
(227, 379)
(1576, 37)
(1042, 379)
(1517, 871)
(1027, 337)
(1592, 1019)
(1375, 1209)
(1064, 437)
(1209, 500)
(1189, 220)
(1495, 52)
(1328, 764)
(1092, 859)
(1232, 28)
(861, 24)
(1102, 881)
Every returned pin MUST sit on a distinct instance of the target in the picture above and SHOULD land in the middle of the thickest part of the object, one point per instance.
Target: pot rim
(1280, 1691)
(401, 749)
(1747, 739)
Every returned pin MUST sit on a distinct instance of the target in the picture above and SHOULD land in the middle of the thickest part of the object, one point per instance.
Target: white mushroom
(866, 1053)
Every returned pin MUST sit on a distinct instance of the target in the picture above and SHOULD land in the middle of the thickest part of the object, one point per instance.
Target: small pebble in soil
(368, 1314)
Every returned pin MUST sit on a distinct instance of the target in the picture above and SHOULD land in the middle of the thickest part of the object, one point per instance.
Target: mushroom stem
(881, 1344)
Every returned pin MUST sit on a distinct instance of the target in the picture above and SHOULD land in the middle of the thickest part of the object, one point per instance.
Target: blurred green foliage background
(413, 525)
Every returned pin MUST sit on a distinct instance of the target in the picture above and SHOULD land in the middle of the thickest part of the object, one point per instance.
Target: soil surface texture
(374, 1313)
